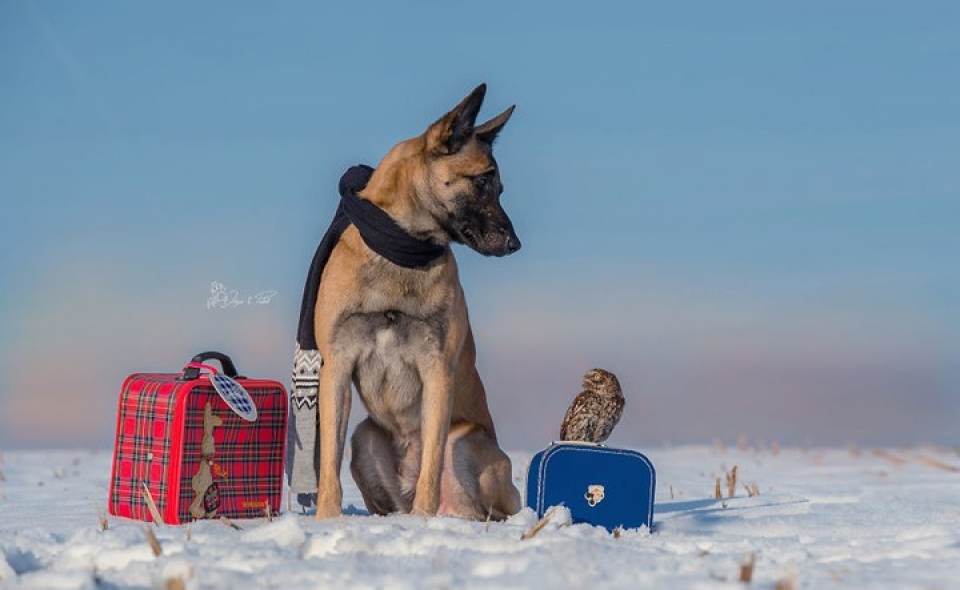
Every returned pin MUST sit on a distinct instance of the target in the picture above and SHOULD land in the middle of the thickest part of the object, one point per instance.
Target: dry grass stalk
(230, 523)
(788, 583)
(267, 511)
(104, 524)
(671, 492)
(885, 454)
(746, 567)
(189, 534)
(177, 583)
(732, 482)
(719, 447)
(753, 490)
(152, 540)
(532, 532)
(616, 532)
(742, 442)
(716, 490)
(151, 505)
(936, 463)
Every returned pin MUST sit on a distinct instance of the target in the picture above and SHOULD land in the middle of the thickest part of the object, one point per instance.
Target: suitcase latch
(595, 494)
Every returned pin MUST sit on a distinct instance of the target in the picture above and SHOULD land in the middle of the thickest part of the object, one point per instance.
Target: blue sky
(749, 210)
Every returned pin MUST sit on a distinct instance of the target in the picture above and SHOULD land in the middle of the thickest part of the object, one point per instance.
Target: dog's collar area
(380, 232)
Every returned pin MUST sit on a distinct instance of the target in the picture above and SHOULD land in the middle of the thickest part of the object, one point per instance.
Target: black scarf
(379, 232)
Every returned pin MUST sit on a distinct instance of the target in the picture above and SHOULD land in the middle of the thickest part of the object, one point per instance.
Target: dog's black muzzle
(501, 241)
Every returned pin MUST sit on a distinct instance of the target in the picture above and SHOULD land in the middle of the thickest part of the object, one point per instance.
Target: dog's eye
(481, 181)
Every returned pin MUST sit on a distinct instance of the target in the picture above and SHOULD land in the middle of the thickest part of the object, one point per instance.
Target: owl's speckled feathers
(596, 410)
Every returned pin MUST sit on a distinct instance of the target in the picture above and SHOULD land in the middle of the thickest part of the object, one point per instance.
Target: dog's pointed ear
(489, 130)
(452, 130)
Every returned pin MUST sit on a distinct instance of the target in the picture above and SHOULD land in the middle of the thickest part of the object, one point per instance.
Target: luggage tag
(232, 393)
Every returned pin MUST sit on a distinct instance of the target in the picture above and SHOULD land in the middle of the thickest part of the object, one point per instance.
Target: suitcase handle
(229, 369)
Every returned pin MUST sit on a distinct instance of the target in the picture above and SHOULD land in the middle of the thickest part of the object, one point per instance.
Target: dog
(401, 335)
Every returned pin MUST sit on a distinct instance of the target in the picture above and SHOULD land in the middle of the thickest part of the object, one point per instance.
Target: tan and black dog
(402, 335)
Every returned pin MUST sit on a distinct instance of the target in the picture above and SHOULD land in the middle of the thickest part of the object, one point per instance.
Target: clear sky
(750, 211)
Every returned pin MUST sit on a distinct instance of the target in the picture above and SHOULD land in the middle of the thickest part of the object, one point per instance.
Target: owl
(594, 413)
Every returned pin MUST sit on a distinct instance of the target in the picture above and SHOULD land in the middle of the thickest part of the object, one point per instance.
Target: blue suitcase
(603, 486)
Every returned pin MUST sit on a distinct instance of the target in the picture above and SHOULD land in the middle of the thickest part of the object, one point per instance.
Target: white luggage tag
(232, 393)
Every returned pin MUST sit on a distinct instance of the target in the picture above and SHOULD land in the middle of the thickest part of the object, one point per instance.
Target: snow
(824, 518)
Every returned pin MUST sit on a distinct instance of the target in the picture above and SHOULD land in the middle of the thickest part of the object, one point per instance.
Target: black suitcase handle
(229, 369)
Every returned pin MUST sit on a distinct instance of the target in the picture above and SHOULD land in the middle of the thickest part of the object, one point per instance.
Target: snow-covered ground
(830, 518)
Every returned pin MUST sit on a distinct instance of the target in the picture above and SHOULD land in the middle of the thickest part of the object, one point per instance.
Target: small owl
(594, 413)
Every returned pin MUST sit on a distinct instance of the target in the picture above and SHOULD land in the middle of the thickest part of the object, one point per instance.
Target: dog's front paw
(328, 510)
(422, 512)
(426, 500)
(329, 505)
(424, 508)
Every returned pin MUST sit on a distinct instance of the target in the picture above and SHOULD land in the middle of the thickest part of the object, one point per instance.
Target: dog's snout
(513, 243)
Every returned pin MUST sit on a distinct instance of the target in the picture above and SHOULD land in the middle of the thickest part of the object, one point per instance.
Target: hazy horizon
(749, 212)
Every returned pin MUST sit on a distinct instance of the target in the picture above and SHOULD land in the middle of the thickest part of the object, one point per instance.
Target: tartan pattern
(142, 447)
(248, 460)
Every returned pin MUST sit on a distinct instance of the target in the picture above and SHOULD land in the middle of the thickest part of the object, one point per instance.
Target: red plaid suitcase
(164, 431)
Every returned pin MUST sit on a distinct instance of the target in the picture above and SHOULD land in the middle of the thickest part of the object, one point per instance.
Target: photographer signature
(222, 298)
